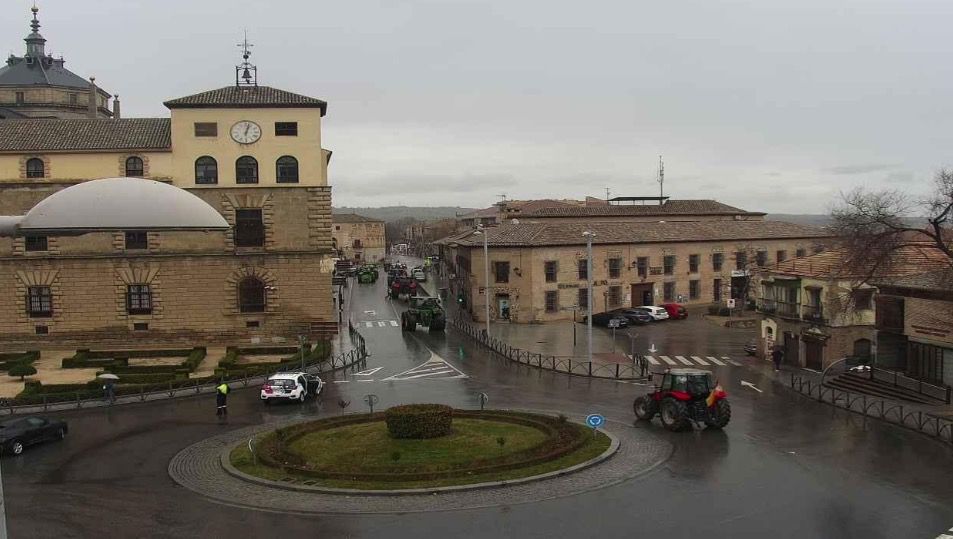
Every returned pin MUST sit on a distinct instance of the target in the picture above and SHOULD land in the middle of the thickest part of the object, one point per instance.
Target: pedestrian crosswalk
(692, 361)
(370, 324)
(948, 535)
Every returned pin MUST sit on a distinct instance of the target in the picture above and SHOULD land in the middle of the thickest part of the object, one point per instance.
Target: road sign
(731, 303)
(595, 420)
(614, 323)
(371, 400)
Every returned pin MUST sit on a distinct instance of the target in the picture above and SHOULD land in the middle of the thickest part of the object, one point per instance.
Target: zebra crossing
(946, 535)
(692, 361)
(370, 324)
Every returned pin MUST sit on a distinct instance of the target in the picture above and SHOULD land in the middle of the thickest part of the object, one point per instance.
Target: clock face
(246, 132)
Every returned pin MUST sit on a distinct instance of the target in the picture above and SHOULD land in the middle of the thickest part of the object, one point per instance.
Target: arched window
(287, 169)
(206, 170)
(35, 168)
(251, 295)
(134, 167)
(246, 170)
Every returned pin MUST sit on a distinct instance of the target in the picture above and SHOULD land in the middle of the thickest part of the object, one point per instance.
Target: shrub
(22, 370)
(8, 361)
(418, 421)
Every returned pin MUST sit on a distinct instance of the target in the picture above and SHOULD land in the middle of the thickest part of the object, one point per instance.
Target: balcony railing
(791, 310)
(813, 313)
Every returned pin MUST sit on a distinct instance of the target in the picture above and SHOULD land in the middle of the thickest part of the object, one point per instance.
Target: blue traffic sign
(595, 420)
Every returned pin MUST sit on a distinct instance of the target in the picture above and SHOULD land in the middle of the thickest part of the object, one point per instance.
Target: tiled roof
(833, 264)
(247, 97)
(40, 135)
(352, 218)
(43, 72)
(672, 207)
(933, 280)
(555, 234)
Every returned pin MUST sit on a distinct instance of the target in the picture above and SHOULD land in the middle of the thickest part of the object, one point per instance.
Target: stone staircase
(861, 383)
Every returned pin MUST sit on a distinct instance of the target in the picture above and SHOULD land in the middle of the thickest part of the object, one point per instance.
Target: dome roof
(121, 204)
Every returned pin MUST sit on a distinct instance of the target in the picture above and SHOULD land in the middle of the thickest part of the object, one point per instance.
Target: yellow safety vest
(223, 389)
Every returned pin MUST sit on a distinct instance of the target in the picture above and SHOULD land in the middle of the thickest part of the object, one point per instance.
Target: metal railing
(941, 393)
(354, 358)
(908, 417)
(636, 370)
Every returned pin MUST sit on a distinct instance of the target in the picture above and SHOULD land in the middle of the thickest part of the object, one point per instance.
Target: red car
(675, 311)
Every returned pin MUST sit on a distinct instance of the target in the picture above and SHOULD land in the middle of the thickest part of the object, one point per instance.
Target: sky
(766, 105)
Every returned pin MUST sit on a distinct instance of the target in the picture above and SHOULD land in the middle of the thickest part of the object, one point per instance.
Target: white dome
(121, 204)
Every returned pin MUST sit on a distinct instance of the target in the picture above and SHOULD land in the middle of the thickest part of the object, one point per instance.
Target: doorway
(792, 349)
(503, 306)
(643, 294)
(814, 354)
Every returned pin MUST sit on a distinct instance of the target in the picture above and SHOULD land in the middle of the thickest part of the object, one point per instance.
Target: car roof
(9, 422)
(688, 371)
(285, 375)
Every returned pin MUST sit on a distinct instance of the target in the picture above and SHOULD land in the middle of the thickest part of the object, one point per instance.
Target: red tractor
(403, 287)
(685, 396)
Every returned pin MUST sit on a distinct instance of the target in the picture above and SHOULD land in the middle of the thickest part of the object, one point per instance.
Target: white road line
(683, 360)
(368, 324)
(667, 360)
(699, 360)
(340, 381)
(381, 323)
(365, 380)
(735, 363)
(394, 323)
(437, 373)
(368, 372)
(652, 360)
(944, 536)
(715, 360)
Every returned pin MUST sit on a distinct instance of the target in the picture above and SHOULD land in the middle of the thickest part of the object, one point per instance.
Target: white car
(419, 275)
(292, 386)
(657, 313)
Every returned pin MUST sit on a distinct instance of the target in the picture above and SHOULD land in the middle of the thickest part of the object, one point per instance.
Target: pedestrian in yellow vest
(221, 396)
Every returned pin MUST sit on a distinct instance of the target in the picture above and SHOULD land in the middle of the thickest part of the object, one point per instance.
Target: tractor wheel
(645, 408)
(674, 414)
(407, 322)
(720, 416)
(439, 323)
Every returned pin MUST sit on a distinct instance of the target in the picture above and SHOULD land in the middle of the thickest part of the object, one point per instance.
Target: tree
(873, 225)
(22, 370)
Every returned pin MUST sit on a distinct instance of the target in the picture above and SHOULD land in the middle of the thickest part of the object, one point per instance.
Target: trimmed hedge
(419, 421)
(8, 361)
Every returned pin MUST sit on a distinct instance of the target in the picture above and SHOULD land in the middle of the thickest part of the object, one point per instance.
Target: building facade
(359, 238)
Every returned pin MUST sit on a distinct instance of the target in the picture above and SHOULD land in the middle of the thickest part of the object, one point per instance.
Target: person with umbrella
(109, 387)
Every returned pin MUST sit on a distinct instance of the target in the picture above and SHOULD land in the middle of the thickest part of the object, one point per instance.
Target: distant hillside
(800, 218)
(394, 213)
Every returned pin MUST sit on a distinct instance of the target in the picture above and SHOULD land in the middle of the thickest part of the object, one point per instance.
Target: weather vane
(246, 73)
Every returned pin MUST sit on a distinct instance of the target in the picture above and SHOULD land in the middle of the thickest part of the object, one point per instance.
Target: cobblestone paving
(199, 469)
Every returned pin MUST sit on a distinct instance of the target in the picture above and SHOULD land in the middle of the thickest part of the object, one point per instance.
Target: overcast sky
(767, 105)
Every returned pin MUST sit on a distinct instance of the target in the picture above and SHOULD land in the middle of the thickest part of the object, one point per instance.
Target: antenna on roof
(661, 181)
(607, 195)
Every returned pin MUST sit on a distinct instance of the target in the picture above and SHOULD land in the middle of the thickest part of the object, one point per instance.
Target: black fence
(354, 358)
(870, 406)
(636, 370)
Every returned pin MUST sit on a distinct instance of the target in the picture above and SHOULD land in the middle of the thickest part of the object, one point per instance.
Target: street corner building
(358, 238)
(685, 251)
(109, 235)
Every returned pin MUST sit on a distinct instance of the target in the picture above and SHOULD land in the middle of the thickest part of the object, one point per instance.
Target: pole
(589, 295)
(302, 340)
(574, 327)
(486, 275)
(3, 508)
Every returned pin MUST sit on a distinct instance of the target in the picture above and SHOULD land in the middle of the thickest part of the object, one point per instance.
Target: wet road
(785, 467)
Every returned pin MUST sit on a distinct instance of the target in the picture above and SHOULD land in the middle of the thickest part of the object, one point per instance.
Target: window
(36, 243)
(642, 263)
(741, 260)
(139, 299)
(614, 296)
(251, 295)
(137, 240)
(717, 261)
(583, 268)
(800, 253)
(74, 99)
(693, 261)
(134, 167)
(287, 169)
(761, 258)
(694, 289)
(246, 170)
(550, 268)
(501, 272)
(668, 291)
(615, 268)
(716, 290)
(668, 264)
(140, 326)
(206, 129)
(249, 228)
(35, 168)
(286, 129)
(818, 249)
(19, 97)
(583, 299)
(39, 302)
(863, 298)
(552, 301)
(206, 170)
(780, 256)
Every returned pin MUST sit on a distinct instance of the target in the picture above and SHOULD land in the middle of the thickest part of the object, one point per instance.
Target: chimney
(93, 98)
(116, 114)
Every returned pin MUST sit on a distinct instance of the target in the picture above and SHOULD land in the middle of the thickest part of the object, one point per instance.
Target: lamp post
(589, 235)
(303, 341)
(486, 276)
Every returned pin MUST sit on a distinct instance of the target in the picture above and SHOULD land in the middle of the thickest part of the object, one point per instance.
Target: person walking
(777, 355)
(109, 390)
(221, 400)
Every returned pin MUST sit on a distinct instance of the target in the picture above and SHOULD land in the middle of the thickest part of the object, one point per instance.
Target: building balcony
(813, 313)
(781, 309)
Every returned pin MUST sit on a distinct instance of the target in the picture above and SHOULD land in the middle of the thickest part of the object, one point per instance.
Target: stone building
(37, 85)
(359, 238)
(253, 153)
(538, 270)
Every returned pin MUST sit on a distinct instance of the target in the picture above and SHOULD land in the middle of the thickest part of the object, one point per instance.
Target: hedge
(7, 361)
(419, 421)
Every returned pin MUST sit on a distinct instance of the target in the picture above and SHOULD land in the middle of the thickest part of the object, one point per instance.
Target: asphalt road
(785, 466)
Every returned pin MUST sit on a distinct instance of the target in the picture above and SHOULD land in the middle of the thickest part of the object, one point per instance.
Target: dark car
(637, 316)
(17, 434)
(606, 320)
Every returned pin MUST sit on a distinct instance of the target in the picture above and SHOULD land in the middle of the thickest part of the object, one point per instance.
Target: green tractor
(367, 274)
(426, 312)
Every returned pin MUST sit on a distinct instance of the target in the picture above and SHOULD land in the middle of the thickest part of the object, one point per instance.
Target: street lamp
(303, 341)
(589, 235)
(573, 308)
(486, 275)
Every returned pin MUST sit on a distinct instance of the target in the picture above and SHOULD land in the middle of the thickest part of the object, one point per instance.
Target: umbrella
(108, 376)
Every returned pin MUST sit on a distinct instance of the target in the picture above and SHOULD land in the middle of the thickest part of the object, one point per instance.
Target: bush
(22, 370)
(419, 421)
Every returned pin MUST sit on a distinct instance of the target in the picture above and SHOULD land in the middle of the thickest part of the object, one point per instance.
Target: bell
(246, 75)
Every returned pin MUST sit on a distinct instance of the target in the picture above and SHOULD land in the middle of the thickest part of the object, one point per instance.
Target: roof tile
(247, 96)
(39, 135)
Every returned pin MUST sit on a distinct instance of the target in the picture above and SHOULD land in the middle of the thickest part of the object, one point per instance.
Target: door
(503, 306)
(814, 354)
(642, 294)
(792, 349)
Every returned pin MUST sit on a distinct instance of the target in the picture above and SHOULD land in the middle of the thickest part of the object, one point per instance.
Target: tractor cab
(689, 384)
(424, 302)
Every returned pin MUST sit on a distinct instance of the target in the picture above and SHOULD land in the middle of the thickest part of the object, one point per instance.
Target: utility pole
(661, 180)
(607, 195)
(589, 236)
(486, 276)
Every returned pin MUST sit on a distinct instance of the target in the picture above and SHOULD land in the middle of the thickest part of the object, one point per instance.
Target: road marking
(428, 374)
(716, 361)
(683, 360)
(699, 360)
(365, 380)
(752, 386)
(667, 360)
(368, 372)
(370, 313)
(368, 324)
(394, 323)
(340, 381)
(733, 362)
(381, 323)
(435, 367)
(944, 536)
(652, 360)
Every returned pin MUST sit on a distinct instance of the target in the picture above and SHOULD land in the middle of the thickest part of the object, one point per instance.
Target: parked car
(675, 311)
(607, 320)
(17, 434)
(637, 316)
(420, 275)
(291, 386)
(751, 347)
(657, 313)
